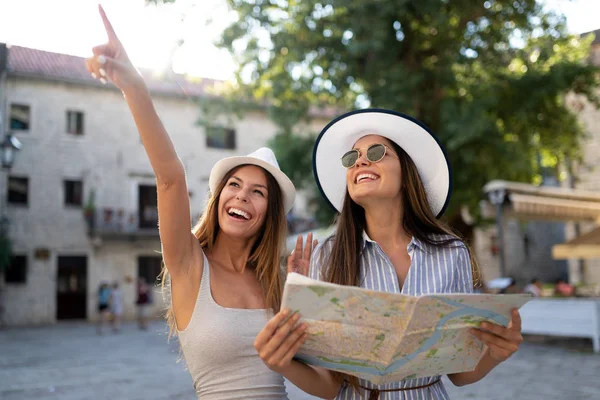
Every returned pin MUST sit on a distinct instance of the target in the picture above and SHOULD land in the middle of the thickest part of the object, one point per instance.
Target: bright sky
(150, 33)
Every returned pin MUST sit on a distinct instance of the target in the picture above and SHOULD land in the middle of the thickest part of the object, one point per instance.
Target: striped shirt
(433, 269)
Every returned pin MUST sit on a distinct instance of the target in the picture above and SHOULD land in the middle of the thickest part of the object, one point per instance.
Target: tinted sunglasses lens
(376, 152)
(349, 159)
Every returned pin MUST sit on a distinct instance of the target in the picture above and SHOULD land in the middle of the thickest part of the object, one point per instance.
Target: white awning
(585, 246)
(554, 208)
(539, 202)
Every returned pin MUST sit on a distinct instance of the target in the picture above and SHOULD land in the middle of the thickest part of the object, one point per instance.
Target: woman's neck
(231, 253)
(384, 225)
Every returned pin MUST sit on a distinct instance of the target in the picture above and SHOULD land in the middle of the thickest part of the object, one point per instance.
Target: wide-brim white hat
(411, 135)
(264, 158)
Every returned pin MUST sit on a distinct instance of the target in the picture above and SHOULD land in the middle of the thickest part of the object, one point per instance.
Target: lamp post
(497, 198)
(9, 148)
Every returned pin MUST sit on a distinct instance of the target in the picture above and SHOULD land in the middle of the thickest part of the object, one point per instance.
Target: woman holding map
(390, 188)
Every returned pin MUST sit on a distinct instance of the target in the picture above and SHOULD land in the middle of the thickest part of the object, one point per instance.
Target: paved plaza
(69, 361)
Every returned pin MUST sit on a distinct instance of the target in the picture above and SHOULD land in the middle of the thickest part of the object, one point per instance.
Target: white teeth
(239, 212)
(365, 176)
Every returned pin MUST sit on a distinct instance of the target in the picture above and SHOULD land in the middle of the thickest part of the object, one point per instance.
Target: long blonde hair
(265, 254)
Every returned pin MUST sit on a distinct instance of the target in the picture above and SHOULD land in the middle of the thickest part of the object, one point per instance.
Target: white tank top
(218, 347)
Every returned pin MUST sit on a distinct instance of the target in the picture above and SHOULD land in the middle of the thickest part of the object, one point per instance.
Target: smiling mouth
(239, 214)
(366, 178)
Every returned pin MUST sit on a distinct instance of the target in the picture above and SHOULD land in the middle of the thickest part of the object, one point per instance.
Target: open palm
(299, 260)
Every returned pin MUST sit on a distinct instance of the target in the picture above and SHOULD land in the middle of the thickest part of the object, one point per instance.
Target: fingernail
(94, 75)
(286, 311)
(103, 81)
(102, 72)
(101, 59)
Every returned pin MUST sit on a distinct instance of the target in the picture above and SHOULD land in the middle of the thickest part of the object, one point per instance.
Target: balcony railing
(118, 223)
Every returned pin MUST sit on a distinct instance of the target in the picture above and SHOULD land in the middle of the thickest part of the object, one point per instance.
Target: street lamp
(497, 198)
(9, 148)
(8, 151)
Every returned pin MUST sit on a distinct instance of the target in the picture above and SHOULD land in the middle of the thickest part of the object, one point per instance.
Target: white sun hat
(411, 135)
(264, 158)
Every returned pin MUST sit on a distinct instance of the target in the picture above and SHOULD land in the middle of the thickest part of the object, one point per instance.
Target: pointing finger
(112, 36)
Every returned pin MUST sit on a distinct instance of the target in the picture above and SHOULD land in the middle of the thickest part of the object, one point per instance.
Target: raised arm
(179, 247)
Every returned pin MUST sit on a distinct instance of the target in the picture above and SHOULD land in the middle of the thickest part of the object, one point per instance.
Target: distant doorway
(148, 213)
(71, 288)
(149, 268)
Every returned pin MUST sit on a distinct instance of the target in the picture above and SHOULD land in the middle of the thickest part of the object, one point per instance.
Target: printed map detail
(388, 337)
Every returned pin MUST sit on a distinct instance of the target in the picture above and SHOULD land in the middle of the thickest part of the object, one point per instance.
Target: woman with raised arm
(225, 276)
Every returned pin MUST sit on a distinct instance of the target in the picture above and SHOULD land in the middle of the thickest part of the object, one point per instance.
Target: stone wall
(110, 159)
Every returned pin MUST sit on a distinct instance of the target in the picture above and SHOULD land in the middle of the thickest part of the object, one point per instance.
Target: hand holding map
(388, 337)
(502, 342)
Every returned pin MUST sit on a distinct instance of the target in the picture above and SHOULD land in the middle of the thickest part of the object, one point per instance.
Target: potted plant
(89, 211)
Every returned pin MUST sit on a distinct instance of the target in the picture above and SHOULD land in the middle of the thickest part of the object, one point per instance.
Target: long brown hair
(343, 263)
(266, 250)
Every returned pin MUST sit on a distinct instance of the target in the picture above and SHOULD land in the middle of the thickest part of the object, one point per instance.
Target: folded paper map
(388, 337)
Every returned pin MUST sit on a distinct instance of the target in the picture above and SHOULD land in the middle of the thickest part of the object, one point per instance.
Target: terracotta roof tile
(43, 64)
(24, 61)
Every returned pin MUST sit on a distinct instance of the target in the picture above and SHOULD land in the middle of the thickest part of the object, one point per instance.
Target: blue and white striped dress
(433, 269)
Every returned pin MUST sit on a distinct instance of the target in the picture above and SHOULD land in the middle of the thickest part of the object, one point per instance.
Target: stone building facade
(79, 138)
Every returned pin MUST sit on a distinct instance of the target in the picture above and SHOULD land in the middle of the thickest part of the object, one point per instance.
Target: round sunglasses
(375, 153)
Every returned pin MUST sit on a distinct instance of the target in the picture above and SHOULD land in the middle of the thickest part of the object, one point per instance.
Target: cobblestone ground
(71, 362)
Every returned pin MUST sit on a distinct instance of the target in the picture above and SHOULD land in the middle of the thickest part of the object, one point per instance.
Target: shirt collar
(413, 242)
(366, 239)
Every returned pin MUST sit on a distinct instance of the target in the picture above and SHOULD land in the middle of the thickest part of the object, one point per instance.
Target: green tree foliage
(490, 78)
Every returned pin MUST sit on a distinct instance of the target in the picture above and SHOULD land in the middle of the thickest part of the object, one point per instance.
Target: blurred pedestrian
(143, 302)
(511, 288)
(116, 306)
(563, 289)
(103, 304)
(534, 287)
